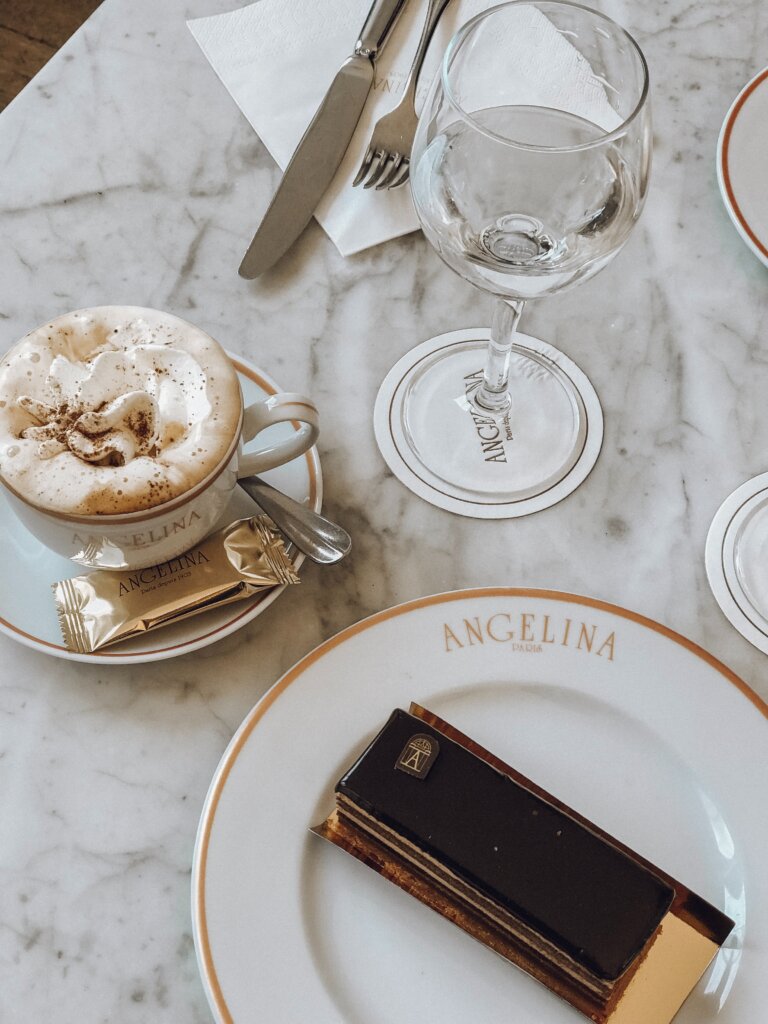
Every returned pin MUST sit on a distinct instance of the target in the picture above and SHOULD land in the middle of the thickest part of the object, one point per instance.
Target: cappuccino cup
(123, 433)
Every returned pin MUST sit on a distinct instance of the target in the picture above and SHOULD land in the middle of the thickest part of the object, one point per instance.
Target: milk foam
(114, 410)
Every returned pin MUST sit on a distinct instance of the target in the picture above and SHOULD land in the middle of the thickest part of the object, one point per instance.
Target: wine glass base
(736, 559)
(456, 456)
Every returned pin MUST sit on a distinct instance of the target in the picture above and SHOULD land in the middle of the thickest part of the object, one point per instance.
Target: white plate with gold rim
(742, 164)
(631, 724)
(27, 612)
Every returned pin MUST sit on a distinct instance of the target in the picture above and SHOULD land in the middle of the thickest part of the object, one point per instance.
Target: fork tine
(373, 167)
(364, 167)
(403, 175)
(386, 179)
(377, 168)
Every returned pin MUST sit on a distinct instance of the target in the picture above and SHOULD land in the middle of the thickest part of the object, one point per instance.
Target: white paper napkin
(278, 57)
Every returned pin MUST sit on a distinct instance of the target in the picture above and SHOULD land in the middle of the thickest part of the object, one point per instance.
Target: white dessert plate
(27, 612)
(636, 727)
(742, 164)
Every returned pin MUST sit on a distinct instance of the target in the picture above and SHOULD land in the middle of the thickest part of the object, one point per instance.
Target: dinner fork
(387, 159)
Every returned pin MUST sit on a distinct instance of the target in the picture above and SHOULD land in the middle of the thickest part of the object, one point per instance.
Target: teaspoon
(320, 539)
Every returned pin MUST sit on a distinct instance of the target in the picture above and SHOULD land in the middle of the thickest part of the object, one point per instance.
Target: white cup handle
(280, 408)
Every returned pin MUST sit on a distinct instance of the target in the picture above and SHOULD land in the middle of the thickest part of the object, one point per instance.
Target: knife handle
(381, 17)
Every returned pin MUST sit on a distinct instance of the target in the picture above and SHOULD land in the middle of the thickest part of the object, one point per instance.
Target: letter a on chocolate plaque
(418, 756)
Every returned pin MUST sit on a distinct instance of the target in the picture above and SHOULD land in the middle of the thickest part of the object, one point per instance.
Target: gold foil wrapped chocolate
(104, 607)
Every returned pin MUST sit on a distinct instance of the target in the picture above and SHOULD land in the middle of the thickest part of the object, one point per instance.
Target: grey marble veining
(127, 175)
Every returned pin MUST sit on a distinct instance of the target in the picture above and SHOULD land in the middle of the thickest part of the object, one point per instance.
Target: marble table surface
(129, 176)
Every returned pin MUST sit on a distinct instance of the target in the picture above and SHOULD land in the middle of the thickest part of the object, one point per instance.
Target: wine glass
(528, 171)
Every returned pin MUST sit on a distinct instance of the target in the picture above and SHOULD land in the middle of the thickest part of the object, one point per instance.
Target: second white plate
(742, 164)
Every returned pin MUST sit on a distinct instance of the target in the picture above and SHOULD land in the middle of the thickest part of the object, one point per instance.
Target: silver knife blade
(312, 166)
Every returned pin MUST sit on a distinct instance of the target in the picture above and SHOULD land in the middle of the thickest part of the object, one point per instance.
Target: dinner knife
(322, 147)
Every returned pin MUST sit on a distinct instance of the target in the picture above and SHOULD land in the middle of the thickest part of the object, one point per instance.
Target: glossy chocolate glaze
(589, 898)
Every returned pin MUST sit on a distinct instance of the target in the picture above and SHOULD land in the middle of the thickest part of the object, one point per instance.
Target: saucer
(629, 723)
(27, 612)
(737, 557)
(742, 164)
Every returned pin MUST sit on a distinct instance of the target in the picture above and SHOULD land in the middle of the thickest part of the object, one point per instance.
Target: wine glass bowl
(529, 172)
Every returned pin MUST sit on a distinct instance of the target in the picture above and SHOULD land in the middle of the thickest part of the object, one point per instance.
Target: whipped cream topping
(114, 410)
(124, 428)
(119, 405)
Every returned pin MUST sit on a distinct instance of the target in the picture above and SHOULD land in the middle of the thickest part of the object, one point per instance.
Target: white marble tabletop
(129, 176)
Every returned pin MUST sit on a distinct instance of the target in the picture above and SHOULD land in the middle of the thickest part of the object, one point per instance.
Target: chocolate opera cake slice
(514, 867)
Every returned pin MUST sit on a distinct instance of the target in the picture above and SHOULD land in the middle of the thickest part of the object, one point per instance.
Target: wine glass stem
(493, 394)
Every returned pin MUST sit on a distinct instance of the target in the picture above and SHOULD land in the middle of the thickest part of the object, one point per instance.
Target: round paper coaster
(569, 458)
(737, 560)
(742, 164)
